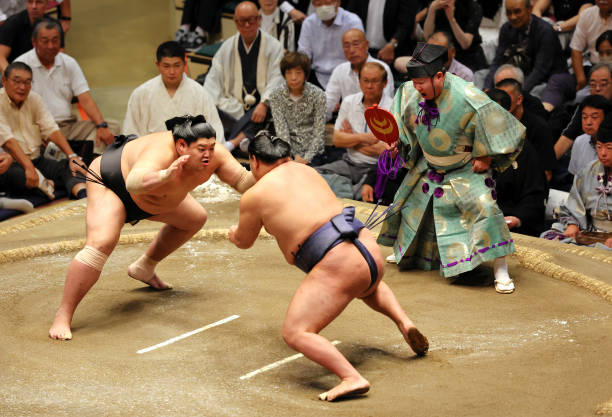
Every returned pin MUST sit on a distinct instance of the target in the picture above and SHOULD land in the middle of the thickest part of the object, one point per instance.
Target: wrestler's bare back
(157, 151)
(293, 201)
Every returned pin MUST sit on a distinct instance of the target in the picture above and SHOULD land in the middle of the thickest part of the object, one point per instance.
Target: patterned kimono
(589, 204)
(449, 218)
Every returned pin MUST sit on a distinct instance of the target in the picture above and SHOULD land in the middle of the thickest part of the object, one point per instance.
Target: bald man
(344, 80)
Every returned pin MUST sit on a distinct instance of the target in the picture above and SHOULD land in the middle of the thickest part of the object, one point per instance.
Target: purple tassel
(427, 114)
(388, 167)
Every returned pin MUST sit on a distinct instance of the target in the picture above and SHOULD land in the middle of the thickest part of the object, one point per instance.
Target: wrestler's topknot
(190, 128)
(268, 148)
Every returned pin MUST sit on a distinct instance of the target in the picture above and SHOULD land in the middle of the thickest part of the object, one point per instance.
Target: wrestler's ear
(181, 146)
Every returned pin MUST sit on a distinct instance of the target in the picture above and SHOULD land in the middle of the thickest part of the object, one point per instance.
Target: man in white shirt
(243, 74)
(321, 38)
(168, 95)
(57, 79)
(277, 24)
(351, 132)
(344, 80)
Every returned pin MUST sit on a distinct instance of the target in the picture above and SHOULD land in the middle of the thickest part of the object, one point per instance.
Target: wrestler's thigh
(189, 214)
(105, 214)
(315, 304)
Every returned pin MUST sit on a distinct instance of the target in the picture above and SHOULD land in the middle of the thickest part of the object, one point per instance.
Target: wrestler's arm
(147, 173)
(231, 172)
(249, 225)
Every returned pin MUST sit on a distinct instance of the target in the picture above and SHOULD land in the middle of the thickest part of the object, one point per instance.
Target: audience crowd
(295, 66)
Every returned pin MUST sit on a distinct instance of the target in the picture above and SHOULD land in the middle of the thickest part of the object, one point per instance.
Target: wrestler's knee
(91, 257)
(291, 337)
(104, 244)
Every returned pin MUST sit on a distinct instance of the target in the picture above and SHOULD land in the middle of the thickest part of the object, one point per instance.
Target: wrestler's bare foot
(348, 387)
(60, 329)
(153, 282)
(415, 339)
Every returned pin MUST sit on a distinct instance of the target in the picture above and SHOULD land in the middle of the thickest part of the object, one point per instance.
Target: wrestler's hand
(232, 234)
(31, 177)
(367, 193)
(572, 230)
(175, 167)
(296, 15)
(512, 222)
(608, 243)
(259, 114)
(5, 162)
(481, 164)
(105, 135)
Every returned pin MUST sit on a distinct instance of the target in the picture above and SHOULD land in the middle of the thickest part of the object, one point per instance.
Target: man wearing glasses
(244, 72)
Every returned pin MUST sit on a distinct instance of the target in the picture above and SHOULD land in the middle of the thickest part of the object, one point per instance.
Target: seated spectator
(603, 45)
(530, 103)
(600, 83)
(298, 110)
(6, 203)
(589, 204)
(565, 12)
(200, 19)
(593, 109)
(521, 191)
(347, 175)
(462, 24)
(537, 130)
(344, 80)
(168, 95)
(591, 23)
(16, 32)
(451, 65)
(277, 24)
(58, 78)
(243, 73)
(24, 123)
(389, 26)
(321, 38)
(531, 44)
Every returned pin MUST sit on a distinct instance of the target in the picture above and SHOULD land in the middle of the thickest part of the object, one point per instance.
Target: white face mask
(326, 12)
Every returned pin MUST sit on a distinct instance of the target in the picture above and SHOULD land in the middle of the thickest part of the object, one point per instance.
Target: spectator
(168, 95)
(521, 191)
(565, 12)
(347, 175)
(588, 206)
(530, 103)
(321, 38)
(604, 46)
(462, 23)
(298, 110)
(19, 204)
(531, 44)
(24, 122)
(297, 9)
(200, 19)
(277, 24)
(451, 65)
(344, 80)
(537, 131)
(600, 82)
(388, 26)
(58, 78)
(593, 109)
(16, 32)
(244, 72)
(591, 23)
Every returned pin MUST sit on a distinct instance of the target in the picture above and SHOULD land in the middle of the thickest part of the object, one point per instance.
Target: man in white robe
(241, 91)
(168, 95)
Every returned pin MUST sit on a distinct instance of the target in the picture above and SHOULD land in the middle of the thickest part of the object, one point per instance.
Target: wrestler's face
(601, 83)
(429, 87)
(18, 85)
(36, 9)
(518, 13)
(295, 78)
(200, 153)
(604, 153)
(591, 119)
(47, 44)
(171, 70)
